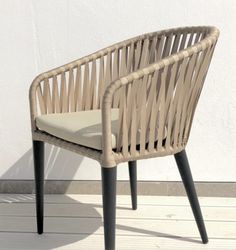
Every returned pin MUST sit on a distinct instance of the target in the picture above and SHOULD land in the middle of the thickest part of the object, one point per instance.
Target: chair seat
(83, 127)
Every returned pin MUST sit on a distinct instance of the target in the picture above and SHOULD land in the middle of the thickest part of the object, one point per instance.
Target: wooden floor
(75, 222)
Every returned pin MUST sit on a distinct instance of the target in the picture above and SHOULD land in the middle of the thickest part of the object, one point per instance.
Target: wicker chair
(133, 100)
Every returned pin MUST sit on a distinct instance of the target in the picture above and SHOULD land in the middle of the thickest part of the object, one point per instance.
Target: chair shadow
(59, 230)
(157, 234)
(59, 163)
(70, 222)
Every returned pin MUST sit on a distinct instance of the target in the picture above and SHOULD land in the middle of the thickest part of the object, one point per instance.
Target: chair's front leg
(133, 183)
(185, 172)
(109, 206)
(38, 152)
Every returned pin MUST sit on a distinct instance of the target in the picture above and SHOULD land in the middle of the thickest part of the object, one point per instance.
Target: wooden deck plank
(75, 222)
(139, 227)
(94, 210)
(29, 241)
(122, 199)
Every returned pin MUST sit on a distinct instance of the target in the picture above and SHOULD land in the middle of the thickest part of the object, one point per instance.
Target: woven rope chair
(133, 100)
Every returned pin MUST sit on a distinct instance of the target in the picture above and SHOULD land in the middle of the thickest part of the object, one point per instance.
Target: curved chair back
(155, 81)
(164, 74)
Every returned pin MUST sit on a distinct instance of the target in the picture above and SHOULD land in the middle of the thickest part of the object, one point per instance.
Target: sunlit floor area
(75, 222)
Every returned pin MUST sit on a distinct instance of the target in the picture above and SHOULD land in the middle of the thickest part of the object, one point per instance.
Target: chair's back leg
(38, 152)
(185, 172)
(133, 183)
(109, 206)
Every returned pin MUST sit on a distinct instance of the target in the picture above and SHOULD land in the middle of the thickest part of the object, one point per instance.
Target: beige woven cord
(155, 81)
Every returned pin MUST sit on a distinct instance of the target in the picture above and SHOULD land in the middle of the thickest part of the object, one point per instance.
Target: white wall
(38, 35)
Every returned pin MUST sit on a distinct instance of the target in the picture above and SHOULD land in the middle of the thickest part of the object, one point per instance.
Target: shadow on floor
(66, 221)
(156, 234)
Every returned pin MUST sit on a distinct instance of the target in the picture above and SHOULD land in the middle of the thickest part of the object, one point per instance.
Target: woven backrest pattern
(155, 81)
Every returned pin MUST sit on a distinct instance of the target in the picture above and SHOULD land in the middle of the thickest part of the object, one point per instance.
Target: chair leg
(109, 206)
(185, 172)
(38, 152)
(133, 183)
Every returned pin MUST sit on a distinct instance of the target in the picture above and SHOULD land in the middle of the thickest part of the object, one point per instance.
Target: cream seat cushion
(83, 127)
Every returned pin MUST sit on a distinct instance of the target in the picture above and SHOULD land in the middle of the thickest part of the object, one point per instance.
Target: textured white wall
(38, 35)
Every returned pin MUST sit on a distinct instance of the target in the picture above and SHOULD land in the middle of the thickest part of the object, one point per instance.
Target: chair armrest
(130, 88)
(75, 86)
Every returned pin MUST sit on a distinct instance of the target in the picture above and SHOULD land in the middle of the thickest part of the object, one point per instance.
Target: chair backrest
(163, 75)
(155, 81)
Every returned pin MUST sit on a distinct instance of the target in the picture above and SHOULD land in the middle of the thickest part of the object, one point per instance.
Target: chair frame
(138, 76)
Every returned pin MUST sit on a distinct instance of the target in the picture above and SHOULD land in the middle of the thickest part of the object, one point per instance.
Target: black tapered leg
(38, 152)
(109, 206)
(133, 183)
(184, 169)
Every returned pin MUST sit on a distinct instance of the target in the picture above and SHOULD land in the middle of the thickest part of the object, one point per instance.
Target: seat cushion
(83, 127)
